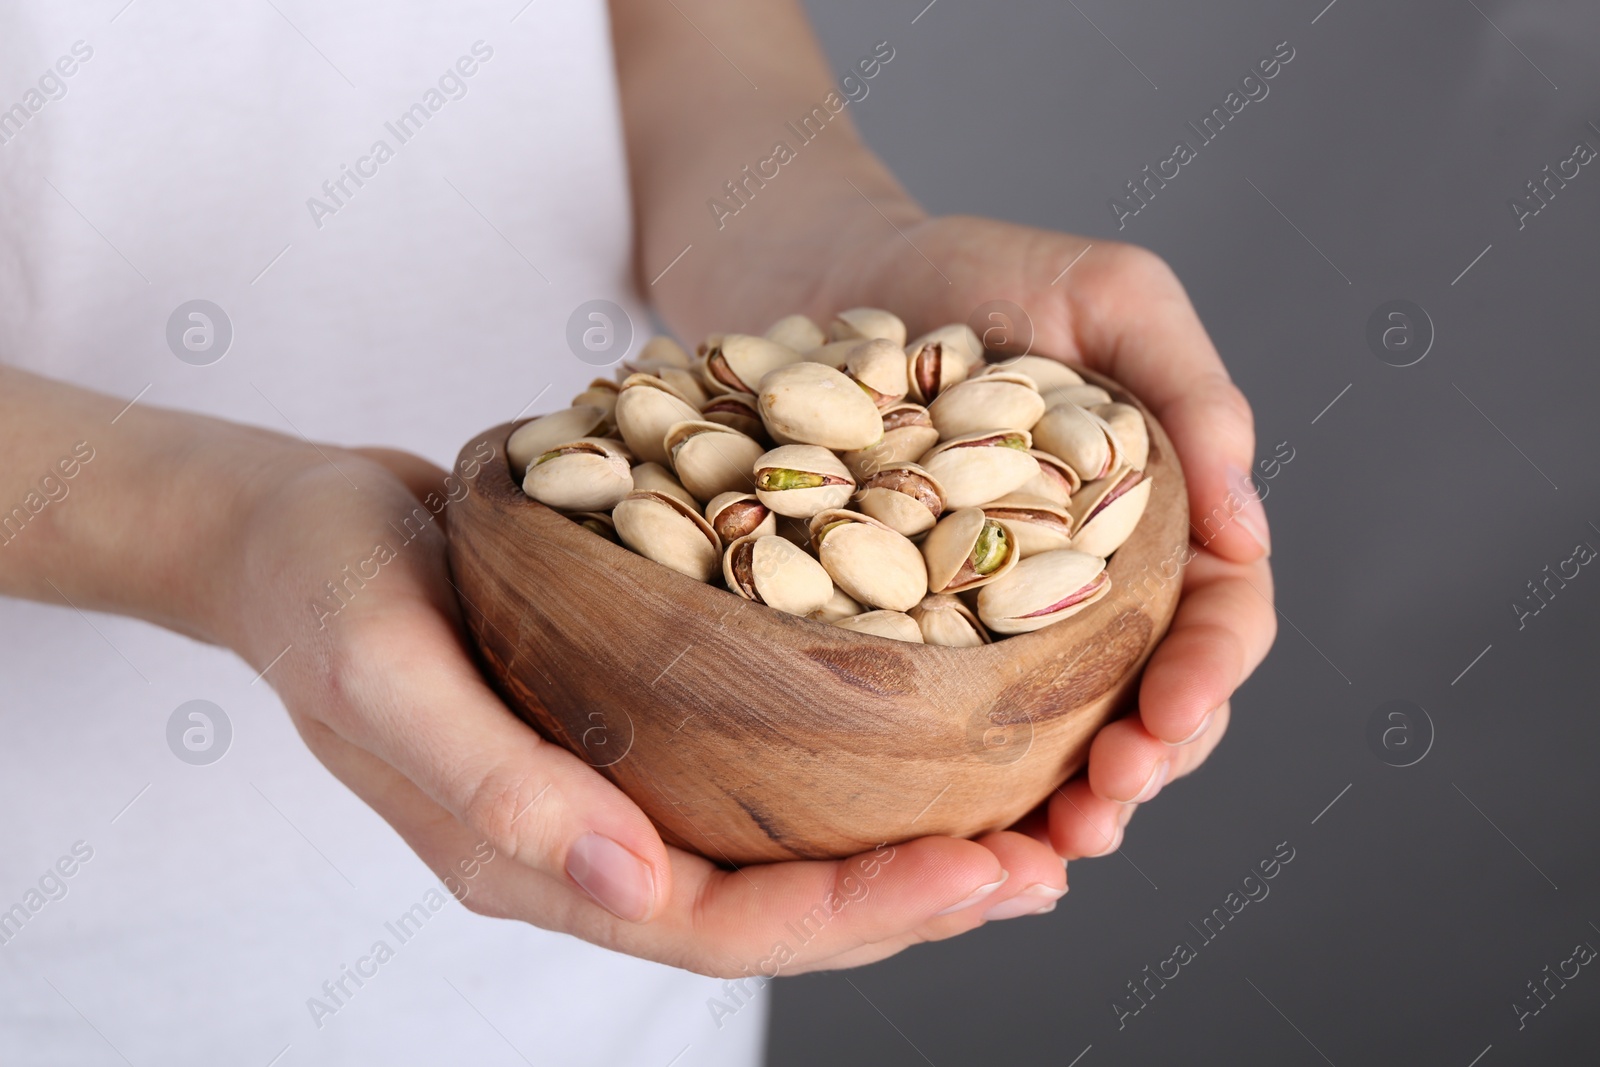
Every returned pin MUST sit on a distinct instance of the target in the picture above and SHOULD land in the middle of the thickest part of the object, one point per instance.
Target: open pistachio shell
(537, 436)
(738, 362)
(797, 332)
(1055, 482)
(662, 349)
(1043, 589)
(598, 522)
(867, 323)
(654, 478)
(1038, 524)
(958, 339)
(979, 467)
(834, 353)
(736, 515)
(772, 571)
(1127, 423)
(1104, 513)
(1084, 395)
(895, 625)
(602, 394)
(589, 474)
(686, 382)
(801, 480)
(907, 434)
(840, 605)
(945, 620)
(1000, 401)
(903, 497)
(868, 560)
(672, 533)
(1080, 438)
(935, 365)
(968, 549)
(710, 458)
(813, 404)
(647, 407)
(1045, 372)
(737, 411)
(879, 368)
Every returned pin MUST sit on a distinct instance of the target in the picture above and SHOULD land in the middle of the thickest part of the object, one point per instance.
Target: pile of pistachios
(920, 492)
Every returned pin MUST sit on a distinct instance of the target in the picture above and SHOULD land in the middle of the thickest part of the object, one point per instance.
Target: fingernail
(1251, 516)
(978, 894)
(1126, 814)
(1031, 901)
(619, 881)
(1153, 784)
(1116, 843)
(1205, 724)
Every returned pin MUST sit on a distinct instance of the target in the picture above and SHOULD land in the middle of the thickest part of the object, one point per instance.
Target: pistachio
(1080, 438)
(1043, 589)
(654, 478)
(903, 497)
(672, 533)
(1127, 423)
(1038, 524)
(537, 436)
(1055, 482)
(834, 353)
(646, 408)
(686, 382)
(1045, 372)
(945, 620)
(736, 515)
(968, 549)
(797, 332)
(801, 480)
(737, 362)
(840, 605)
(934, 366)
(597, 522)
(979, 467)
(813, 404)
(1084, 395)
(907, 434)
(879, 368)
(996, 401)
(710, 458)
(602, 394)
(867, 323)
(958, 339)
(868, 560)
(589, 474)
(663, 350)
(735, 410)
(774, 572)
(895, 625)
(1105, 512)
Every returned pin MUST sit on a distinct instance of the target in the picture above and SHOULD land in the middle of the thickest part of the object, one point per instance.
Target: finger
(1082, 823)
(418, 475)
(1134, 322)
(1188, 759)
(1126, 764)
(1222, 630)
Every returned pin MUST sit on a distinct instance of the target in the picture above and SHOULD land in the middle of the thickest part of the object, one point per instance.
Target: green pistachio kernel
(775, 478)
(990, 550)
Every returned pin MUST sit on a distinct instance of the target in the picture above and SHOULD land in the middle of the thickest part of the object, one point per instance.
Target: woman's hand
(382, 687)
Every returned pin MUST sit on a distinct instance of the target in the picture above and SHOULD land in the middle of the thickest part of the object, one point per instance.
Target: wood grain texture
(750, 735)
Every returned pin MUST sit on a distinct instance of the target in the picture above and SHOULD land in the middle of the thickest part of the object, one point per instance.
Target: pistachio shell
(597, 522)
(879, 367)
(738, 362)
(1038, 524)
(958, 338)
(710, 458)
(834, 353)
(867, 323)
(934, 365)
(1055, 482)
(903, 497)
(778, 489)
(772, 571)
(1000, 401)
(813, 404)
(840, 605)
(945, 620)
(663, 528)
(1046, 373)
(1080, 438)
(1084, 395)
(1105, 513)
(1063, 580)
(968, 549)
(735, 410)
(654, 478)
(602, 394)
(736, 515)
(664, 350)
(895, 625)
(686, 382)
(979, 467)
(907, 434)
(868, 560)
(589, 474)
(797, 332)
(1127, 423)
(537, 436)
(646, 408)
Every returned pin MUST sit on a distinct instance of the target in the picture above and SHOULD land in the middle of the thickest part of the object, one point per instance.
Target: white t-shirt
(162, 152)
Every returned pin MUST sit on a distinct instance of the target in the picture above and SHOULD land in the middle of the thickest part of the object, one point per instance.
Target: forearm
(136, 513)
(694, 123)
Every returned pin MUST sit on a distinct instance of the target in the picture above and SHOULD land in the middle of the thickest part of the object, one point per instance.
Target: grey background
(1406, 526)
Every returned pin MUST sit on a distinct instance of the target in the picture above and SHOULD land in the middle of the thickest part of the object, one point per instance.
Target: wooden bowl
(749, 735)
